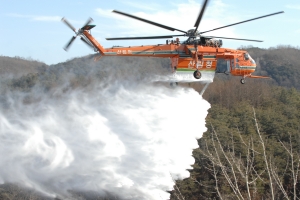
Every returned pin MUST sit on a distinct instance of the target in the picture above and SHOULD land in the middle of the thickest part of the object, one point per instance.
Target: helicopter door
(228, 66)
(237, 66)
(232, 66)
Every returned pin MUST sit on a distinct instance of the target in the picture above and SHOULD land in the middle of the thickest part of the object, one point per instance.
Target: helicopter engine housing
(213, 43)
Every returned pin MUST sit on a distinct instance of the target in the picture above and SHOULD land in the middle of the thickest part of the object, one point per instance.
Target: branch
(235, 186)
(265, 156)
(278, 181)
(177, 189)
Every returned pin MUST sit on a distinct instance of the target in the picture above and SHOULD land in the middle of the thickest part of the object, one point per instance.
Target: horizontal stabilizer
(88, 27)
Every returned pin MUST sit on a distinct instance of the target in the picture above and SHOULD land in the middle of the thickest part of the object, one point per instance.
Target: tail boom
(96, 44)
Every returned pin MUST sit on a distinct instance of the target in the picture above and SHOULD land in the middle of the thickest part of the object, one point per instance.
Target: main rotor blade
(200, 15)
(69, 43)
(148, 21)
(143, 38)
(88, 21)
(68, 24)
(86, 42)
(233, 38)
(244, 21)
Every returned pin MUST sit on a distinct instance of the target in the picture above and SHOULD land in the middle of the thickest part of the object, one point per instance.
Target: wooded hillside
(281, 63)
(17, 66)
(251, 149)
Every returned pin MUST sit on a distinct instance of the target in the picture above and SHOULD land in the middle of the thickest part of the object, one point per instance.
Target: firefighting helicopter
(190, 59)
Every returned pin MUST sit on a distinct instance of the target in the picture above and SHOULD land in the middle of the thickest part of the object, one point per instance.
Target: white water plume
(123, 138)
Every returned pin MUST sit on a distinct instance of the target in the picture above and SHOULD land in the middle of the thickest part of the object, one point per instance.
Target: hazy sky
(33, 28)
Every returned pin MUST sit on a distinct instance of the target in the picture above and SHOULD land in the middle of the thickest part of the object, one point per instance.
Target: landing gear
(197, 74)
(243, 81)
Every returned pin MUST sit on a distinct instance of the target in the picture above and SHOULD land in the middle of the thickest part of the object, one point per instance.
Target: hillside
(238, 158)
(17, 67)
(281, 63)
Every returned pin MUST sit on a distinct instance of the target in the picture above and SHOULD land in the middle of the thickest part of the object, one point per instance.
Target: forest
(251, 149)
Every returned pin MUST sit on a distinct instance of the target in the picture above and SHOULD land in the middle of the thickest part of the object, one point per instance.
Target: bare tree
(177, 192)
(239, 170)
(292, 165)
(265, 155)
(235, 169)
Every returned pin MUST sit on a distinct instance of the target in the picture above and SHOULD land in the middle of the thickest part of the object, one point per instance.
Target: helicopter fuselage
(186, 58)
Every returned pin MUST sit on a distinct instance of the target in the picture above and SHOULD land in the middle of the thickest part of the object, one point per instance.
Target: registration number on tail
(125, 51)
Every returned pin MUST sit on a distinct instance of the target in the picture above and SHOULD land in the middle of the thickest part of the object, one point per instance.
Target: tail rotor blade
(87, 42)
(68, 24)
(69, 43)
(88, 21)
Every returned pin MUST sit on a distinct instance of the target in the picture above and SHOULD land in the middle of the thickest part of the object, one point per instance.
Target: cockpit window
(248, 57)
(251, 60)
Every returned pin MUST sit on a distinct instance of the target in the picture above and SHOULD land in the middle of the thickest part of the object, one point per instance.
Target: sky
(33, 29)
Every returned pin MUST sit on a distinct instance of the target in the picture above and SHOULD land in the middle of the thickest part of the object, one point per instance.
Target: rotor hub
(192, 33)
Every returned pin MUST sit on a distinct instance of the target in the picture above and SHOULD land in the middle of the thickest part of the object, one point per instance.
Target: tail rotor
(78, 33)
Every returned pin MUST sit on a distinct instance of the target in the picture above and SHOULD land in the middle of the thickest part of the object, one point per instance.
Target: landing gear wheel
(243, 81)
(197, 74)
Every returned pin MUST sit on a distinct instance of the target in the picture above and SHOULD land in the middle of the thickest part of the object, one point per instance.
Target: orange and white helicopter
(190, 59)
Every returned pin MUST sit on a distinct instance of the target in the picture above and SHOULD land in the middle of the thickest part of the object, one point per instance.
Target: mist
(104, 127)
